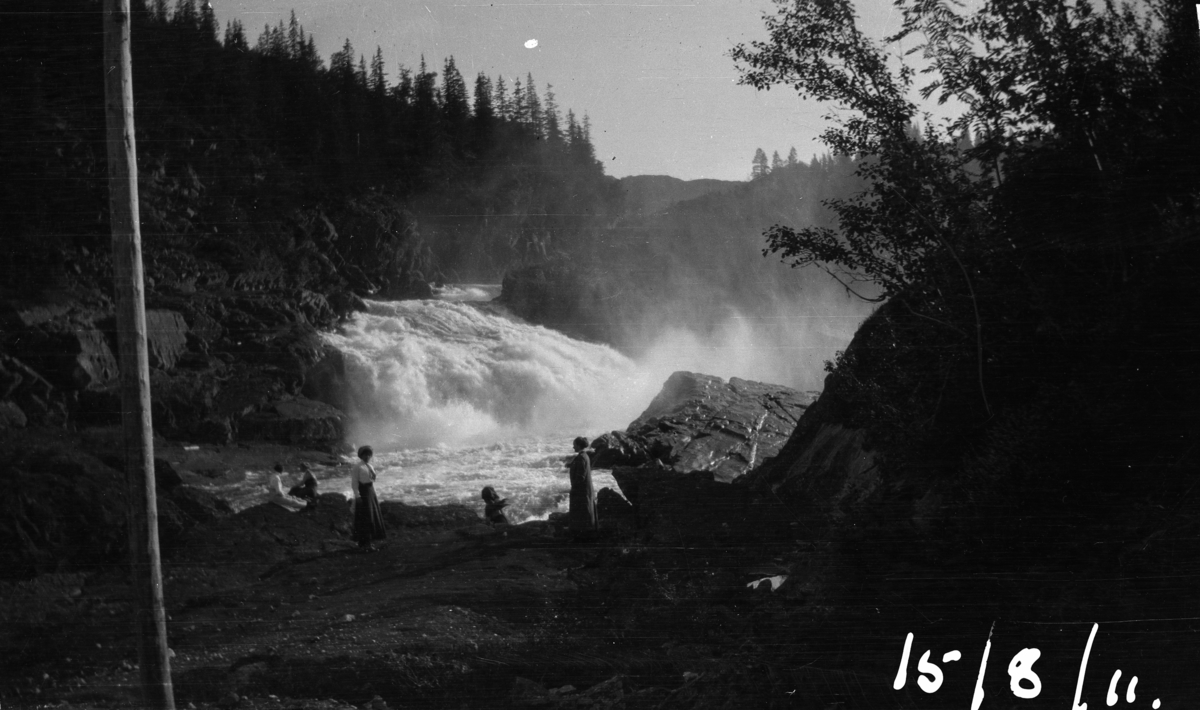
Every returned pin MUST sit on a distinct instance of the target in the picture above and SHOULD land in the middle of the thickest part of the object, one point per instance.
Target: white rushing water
(455, 394)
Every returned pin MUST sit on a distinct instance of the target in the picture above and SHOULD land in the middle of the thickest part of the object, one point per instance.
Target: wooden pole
(149, 615)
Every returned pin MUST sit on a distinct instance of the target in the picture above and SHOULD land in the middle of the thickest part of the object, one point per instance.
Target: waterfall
(435, 372)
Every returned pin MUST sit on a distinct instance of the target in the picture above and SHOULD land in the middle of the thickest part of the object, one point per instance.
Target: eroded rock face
(827, 472)
(703, 423)
(828, 467)
(166, 338)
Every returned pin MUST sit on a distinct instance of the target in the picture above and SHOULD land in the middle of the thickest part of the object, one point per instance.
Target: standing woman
(368, 518)
(582, 515)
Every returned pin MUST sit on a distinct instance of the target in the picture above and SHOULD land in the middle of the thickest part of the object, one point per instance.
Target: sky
(654, 77)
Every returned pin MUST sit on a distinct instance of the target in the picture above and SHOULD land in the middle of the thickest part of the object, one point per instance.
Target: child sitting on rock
(493, 509)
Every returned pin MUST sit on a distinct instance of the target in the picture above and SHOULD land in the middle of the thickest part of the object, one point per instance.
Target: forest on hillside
(241, 136)
(257, 149)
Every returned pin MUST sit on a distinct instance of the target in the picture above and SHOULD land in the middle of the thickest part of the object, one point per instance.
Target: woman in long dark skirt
(368, 518)
(582, 511)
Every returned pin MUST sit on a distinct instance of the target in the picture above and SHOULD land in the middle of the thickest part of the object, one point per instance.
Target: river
(454, 394)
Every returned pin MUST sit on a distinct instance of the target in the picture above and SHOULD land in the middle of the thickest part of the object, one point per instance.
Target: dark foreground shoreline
(272, 609)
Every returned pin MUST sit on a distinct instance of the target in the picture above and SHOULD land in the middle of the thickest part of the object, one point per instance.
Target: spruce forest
(241, 136)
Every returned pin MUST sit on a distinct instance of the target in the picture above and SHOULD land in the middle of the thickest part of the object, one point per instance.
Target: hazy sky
(654, 76)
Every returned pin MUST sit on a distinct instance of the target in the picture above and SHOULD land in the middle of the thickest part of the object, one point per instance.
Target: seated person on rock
(306, 490)
(276, 495)
(493, 509)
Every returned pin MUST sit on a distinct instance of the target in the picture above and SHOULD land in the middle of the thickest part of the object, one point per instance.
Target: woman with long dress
(582, 512)
(368, 518)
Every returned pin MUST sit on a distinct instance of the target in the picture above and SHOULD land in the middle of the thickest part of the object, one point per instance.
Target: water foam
(456, 394)
(428, 373)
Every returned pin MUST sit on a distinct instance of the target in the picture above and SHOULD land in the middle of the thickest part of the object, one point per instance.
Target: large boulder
(703, 423)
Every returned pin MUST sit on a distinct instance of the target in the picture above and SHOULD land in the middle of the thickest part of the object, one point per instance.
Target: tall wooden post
(150, 617)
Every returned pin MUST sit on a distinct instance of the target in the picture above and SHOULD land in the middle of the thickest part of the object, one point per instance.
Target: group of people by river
(368, 517)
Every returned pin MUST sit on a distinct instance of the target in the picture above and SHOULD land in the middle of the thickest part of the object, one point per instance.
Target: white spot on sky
(530, 43)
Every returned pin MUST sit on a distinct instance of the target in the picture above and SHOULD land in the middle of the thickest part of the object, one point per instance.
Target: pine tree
(501, 100)
(483, 111)
(455, 106)
(235, 36)
(792, 159)
(520, 113)
(293, 37)
(185, 13)
(533, 106)
(552, 127)
(360, 75)
(378, 80)
(272, 42)
(404, 87)
(263, 44)
(484, 118)
(310, 58)
(759, 167)
(208, 25)
(582, 148)
(776, 161)
(341, 64)
(425, 94)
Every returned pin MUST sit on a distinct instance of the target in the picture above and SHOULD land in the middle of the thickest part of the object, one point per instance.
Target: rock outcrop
(826, 471)
(223, 364)
(703, 423)
(680, 465)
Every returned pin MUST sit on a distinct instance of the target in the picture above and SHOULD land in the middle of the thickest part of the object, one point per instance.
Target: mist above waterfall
(782, 338)
(457, 372)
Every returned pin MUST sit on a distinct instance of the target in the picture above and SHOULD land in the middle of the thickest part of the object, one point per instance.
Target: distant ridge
(651, 194)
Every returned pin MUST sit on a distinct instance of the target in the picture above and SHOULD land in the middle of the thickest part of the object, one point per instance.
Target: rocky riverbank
(701, 594)
(270, 608)
(767, 548)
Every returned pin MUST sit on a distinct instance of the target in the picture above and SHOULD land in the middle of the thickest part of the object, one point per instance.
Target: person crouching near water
(582, 511)
(493, 507)
(368, 518)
